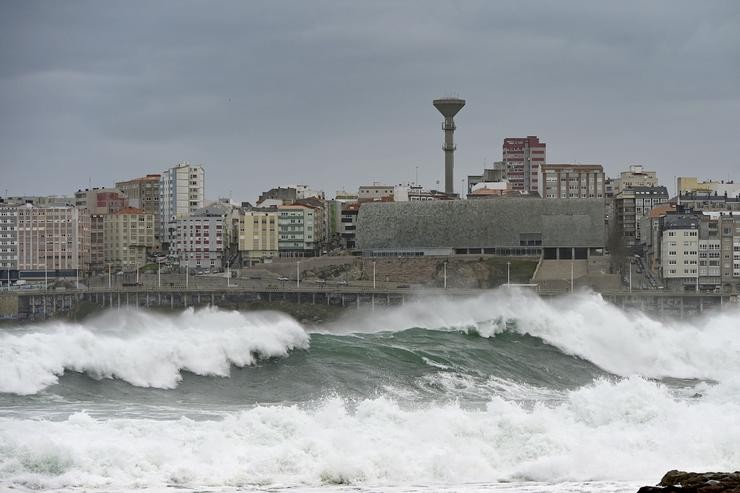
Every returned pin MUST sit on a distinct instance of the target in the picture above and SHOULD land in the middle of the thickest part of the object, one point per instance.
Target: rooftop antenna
(449, 108)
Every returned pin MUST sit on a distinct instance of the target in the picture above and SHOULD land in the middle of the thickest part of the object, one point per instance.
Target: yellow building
(258, 235)
(127, 235)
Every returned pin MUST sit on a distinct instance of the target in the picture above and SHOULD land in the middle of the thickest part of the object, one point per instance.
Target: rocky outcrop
(696, 482)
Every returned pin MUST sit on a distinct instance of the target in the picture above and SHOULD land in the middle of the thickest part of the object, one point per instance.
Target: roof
(480, 223)
(661, 210)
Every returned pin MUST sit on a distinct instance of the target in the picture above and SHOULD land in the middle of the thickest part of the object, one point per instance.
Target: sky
(337, 94)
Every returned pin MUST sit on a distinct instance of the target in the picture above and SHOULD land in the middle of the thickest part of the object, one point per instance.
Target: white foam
(632, 430)
(144, 349)
(622, 342)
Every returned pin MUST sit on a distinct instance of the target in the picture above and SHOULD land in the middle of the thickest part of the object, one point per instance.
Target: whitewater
(503, 392)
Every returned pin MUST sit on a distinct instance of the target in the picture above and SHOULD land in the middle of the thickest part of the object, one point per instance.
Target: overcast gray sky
(334, 94)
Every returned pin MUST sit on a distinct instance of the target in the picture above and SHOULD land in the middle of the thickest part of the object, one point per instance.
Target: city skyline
(336, 96)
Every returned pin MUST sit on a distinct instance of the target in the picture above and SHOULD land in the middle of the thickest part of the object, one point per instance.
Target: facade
(701, 201)
(374, 192)
(636, 176)
(555, 229)
(143, 193)
(8, 240)
(258, 235)
(690, 184)
(728, 229)
(571, 181)
(348, 225)
(39, 200)
(297, 231)
(181, 193)
(631, 205)
(48, 239)
(680, 250)
(128, 235)
(203, 238)
(100, 200)
(522, 158)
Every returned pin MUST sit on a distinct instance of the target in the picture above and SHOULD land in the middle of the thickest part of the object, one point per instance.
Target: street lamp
(445, 273)
(298, 274)
(373, 274)
(508, 273)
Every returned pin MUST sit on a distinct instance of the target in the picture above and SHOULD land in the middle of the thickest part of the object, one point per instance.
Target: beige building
(635, 177)
(128, 235)
(680, 249)
(48, 238)
(258, 235)
(143, 193)
(571, 181)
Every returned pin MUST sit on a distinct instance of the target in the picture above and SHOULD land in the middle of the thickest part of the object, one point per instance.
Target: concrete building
(258, 235)
(128, 235)
(522, 158)
(348, 225)
(691, 185)
(702, 201)
(39, 200)
(636, 176)
(369, 193)
(555, 229)
(630, 206)
(181, 193)
(203, 238)
(8, 242)
(491, 174)
(289, 194)
(297, 231)
(571, 181)
(728, 227)
(143, 193)
(100, 200)
(680, 250)
(486, 190)
(48, 240)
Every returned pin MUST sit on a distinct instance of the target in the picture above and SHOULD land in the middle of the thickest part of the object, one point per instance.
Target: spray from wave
(144, 349)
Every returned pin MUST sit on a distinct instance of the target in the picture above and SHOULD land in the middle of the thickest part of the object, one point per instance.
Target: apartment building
(8, 240)
(203, 238)
(636, 176)
(631, 205)
(100, 200)
(258, 235)
(48, 239)
(143, 193)
(181, 193)
(368, 193)
(691, 184)
(680, 250)
(522, 158)
(728, 227)
(571, 181)
(348, 225)
(297, 231)
(128, 235)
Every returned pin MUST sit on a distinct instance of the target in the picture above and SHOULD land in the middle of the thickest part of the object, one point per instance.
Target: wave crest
(144, 349)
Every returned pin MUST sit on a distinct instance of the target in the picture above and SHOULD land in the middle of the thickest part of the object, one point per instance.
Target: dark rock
(696, 482)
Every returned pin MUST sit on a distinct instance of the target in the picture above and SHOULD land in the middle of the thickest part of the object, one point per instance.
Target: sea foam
(631, 430)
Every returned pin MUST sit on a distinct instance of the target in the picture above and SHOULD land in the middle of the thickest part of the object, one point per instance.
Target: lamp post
(373, 274)
(508, 273)
(445, 272)
(572, 265)
(159, 273)
(187, 273)
(109, 279)
(77, 278)
(298, 274)
(630, 275)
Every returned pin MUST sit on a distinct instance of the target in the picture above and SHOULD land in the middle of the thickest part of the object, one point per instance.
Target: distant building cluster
(521, 205)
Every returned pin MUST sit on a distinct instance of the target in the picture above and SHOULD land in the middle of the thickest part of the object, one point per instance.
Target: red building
(522, 157)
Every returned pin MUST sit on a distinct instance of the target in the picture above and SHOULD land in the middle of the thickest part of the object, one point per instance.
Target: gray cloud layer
(335, 94)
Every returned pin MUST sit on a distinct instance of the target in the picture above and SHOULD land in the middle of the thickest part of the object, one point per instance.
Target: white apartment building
(181, 192)
(258, 235)
(635, 177)
(202, 238)
(127, 236)
(680, 249)
(8, 238)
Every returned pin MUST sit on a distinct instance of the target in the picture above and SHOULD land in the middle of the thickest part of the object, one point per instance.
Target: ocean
(504, 392)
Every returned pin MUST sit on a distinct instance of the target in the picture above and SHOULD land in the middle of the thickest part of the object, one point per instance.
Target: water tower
(449, 108)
